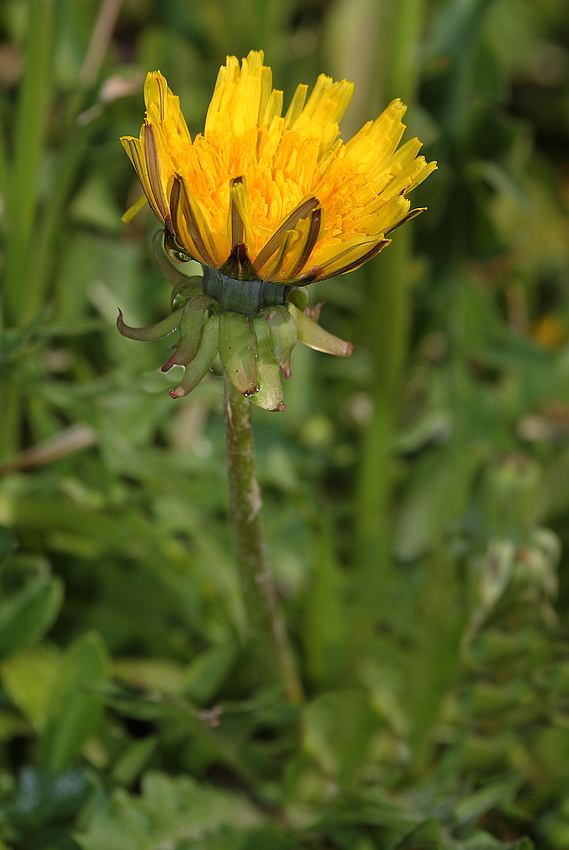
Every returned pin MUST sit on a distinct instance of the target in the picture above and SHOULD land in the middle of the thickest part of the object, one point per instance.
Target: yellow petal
(305, 203)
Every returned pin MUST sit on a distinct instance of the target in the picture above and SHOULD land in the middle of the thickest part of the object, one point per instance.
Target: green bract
(252, 324)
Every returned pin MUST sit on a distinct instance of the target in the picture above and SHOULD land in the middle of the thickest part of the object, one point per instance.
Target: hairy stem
(265, 625)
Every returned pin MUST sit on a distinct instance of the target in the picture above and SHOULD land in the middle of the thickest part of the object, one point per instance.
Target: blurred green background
(416, 495)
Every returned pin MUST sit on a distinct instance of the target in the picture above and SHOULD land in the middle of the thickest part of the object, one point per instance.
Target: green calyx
(252, 325)
(245, 297)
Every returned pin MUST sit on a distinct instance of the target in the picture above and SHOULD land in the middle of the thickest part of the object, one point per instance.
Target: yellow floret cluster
(287, 190)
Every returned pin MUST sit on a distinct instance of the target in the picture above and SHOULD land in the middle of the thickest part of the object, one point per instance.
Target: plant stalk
(389, 316)
(388, 324)
(265, 625)
(30, 132)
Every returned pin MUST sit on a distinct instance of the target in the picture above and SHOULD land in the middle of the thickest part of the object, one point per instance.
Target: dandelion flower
(273, 201)
(307, 205)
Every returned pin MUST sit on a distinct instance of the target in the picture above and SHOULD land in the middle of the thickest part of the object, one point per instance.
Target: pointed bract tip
(177, 393)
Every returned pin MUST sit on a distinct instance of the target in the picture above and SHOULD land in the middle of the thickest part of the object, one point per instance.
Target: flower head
(267, 203)
(283, 196)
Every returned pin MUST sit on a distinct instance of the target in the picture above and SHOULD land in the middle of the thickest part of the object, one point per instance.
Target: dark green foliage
(416, 494)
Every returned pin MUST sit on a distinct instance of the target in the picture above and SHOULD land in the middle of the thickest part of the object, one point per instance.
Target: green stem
(10, 405)
(401, 73)
(43, 256)
(391, 303)
(389, 317)
(266, 628)
(388, 323)
(467, 34)
(31, 125)
(4, 192)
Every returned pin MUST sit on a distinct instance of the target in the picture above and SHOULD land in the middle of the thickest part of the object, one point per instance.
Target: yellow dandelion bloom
(283, 196)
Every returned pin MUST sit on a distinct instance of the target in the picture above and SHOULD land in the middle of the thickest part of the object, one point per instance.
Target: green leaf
(7, 544)
(42, 796)
(426, 836)
(132, 704)
(207, 672)
(95, 206)
(168, 811)
(524, 843)
(337, 730)
(26, 617)
(435, 497)
(133, 760)
(486, 798)
(269, 838)
(30, 130)
(482, 840)
(152, 674)
(325, 621)
(74, 713)
(28, 679)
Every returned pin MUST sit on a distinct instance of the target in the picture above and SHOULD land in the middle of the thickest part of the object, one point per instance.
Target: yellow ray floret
(305, 204)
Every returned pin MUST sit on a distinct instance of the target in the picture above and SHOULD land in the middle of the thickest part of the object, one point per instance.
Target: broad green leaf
(133, 760)
(95, 206)
(167, 812)
(337, 730)
(207, 672)
(435, 497)
(74, 713)
(152, 674)
(28, 679)
(26, 617)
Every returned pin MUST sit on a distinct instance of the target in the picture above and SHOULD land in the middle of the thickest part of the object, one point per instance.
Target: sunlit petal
(287, 190)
